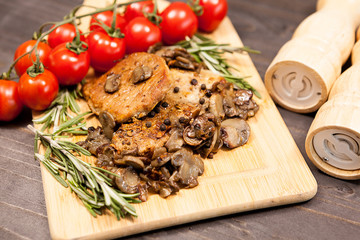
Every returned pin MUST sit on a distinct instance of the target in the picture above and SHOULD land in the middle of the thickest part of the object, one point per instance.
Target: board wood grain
(268, 171)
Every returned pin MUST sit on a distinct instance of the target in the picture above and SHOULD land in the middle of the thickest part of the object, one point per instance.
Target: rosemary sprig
(58, 115)
(210, 53)
(89, 183)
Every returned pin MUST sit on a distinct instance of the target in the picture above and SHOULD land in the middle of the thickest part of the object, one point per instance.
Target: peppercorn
(176, 89)
(203, 86)
(157, 109)
(152, 114)
(167, 122)
(202, 101)
(208, 93)
(182, 120)
(165, 104)
(194, 82)
(148, 124)
(162, 127)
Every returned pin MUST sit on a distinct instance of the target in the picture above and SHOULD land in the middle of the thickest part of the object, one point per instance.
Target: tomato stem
(153, 16)
(76, 45)
(39, 36)
(196, 7)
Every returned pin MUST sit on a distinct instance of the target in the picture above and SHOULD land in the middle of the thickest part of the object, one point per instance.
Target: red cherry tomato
(25, 62)
(140, 34)
(105, 51)
(214, 12)
(178, 21)
(38, 92)
(10, 103)
(68, 67)
(136, 10)
(62, 34)
(107, 18)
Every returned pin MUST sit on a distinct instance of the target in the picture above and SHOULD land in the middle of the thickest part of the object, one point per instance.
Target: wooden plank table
(334, 213)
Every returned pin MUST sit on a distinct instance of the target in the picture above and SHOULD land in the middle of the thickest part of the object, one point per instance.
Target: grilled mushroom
(128, 160)
(140, 74)
(161, 160)
(208, 148)
(127, 180)
(108, 123)
(189, 137)
(229, 105)
(112, 83)
(246, 106)
(106, 155)
(190, 167)
(216, 106)
(234, 132)
(95, 140)
(204, 126)
(175, 141)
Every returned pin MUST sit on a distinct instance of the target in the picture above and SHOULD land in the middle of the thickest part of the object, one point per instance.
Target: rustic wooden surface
(334, 213)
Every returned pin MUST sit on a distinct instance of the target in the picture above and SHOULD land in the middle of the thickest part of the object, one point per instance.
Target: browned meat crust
(131, 99)
(142, 136)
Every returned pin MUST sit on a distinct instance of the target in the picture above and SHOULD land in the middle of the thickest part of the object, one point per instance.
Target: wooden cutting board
(268, 171)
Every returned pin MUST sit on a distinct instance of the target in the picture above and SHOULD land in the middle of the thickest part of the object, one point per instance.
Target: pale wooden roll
(333, 140)
(301, 75)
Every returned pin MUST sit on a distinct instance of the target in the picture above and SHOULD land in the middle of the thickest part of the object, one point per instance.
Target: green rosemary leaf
(89, 208)
(72, 102)
(43, 118)
(57, 177)
(104, 170)
(74, 146)
(71, 122)
(210, 53)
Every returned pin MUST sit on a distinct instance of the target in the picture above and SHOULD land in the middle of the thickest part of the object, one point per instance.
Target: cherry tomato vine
(63, 50)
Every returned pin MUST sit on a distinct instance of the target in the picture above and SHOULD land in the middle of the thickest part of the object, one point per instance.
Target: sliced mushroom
(204, 126)
(206, 150)
(234, 132)
(190, 170)
(95, 140)
(178, 158)
(175, 141)
(165, 173)
(108, 123)
(112, 83)
(127, 180)
(128, 160)
(189, 137)
(143, 191)
(242, 96)
(165, 192)
(190, 167)
(161, 160)
(216, 106)
(105, 156)
(173, 181)
(219, 142)
(158, 152)
(230, 109)
(181, 62)
(140, 74)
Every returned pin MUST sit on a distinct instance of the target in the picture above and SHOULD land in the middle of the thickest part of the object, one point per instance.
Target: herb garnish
(88, 182)
(61, 158)
(207, 51)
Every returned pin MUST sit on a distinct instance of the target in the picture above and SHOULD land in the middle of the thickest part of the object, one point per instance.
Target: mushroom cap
(234, 132)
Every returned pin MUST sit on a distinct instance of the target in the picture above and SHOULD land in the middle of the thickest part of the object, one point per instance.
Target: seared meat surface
(158, 144)
(131, 89)
(142, 136)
